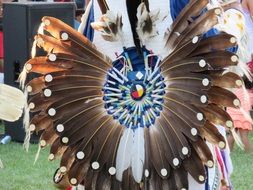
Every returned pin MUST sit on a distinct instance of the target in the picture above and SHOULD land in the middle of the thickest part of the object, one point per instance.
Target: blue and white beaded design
(134, 89)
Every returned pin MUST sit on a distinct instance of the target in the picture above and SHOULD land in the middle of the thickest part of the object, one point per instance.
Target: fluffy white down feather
(12, 101)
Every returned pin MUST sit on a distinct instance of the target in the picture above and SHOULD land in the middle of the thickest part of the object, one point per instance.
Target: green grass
(242, 177)
(19, 172)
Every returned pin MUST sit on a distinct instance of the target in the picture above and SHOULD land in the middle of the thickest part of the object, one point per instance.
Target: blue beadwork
(129, 72)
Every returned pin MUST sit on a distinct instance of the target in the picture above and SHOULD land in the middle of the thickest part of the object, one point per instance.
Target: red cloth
(250, 64)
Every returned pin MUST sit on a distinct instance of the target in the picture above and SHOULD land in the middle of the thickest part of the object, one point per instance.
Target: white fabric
(119, 6)
(110, 48)
(194, 185)
(228, 160)
(249, 29)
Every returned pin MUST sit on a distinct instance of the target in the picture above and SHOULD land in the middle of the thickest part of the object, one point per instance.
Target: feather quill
(138, 154)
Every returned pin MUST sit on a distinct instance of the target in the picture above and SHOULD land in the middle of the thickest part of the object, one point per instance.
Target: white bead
(194, 131)
(200, 116)
(32, 127)
(28, 67)
(236, 102)
(29, 89)
(222, 144)
(112, 170)
(203, 99)
(233, 40)
(51, 157)
(73, 181)
(202, 63)
(229, 124)
(65, 140)
(31, 105)
(164, 172)
(195, 39)
(210, 163)
(48, 78)
(63, 169)
(201, 178)
(217, 11)
(52, 57)
(95, 165)
(80, 155)
(47, 22)
(238, 83)
(146, 173)
(51, 112)
(205, 82)
(175, 161)
(185, 150)
(43, 143)
(234, 58)
(47, 92)
(64, 36)
(60, 128)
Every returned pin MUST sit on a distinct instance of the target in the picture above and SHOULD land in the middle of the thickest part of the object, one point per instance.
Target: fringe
(22, 78)
(237, 138)
(26, 125)
(37, 155)
(1, 164)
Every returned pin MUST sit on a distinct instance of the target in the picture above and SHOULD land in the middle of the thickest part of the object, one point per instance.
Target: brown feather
(183, 65)
(194, 166)
(184, 109)
(158, 158)
(226, 80)
(200, 26)
(181, 52)
(217, 42)
(223, 97)
(57, 27)
(212, 135)
(220, 59)
(204, 153)
(193, 8)
(172, 152)
(181, 178)
(217, 116)
(41, 121)
(179, 139)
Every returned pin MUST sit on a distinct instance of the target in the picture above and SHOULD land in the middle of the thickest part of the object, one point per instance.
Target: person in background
(248, 5)
(248, 12)
(241, 118)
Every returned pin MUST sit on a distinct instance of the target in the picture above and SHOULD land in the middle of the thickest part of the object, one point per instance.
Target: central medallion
(134, 89)
(138, 91)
